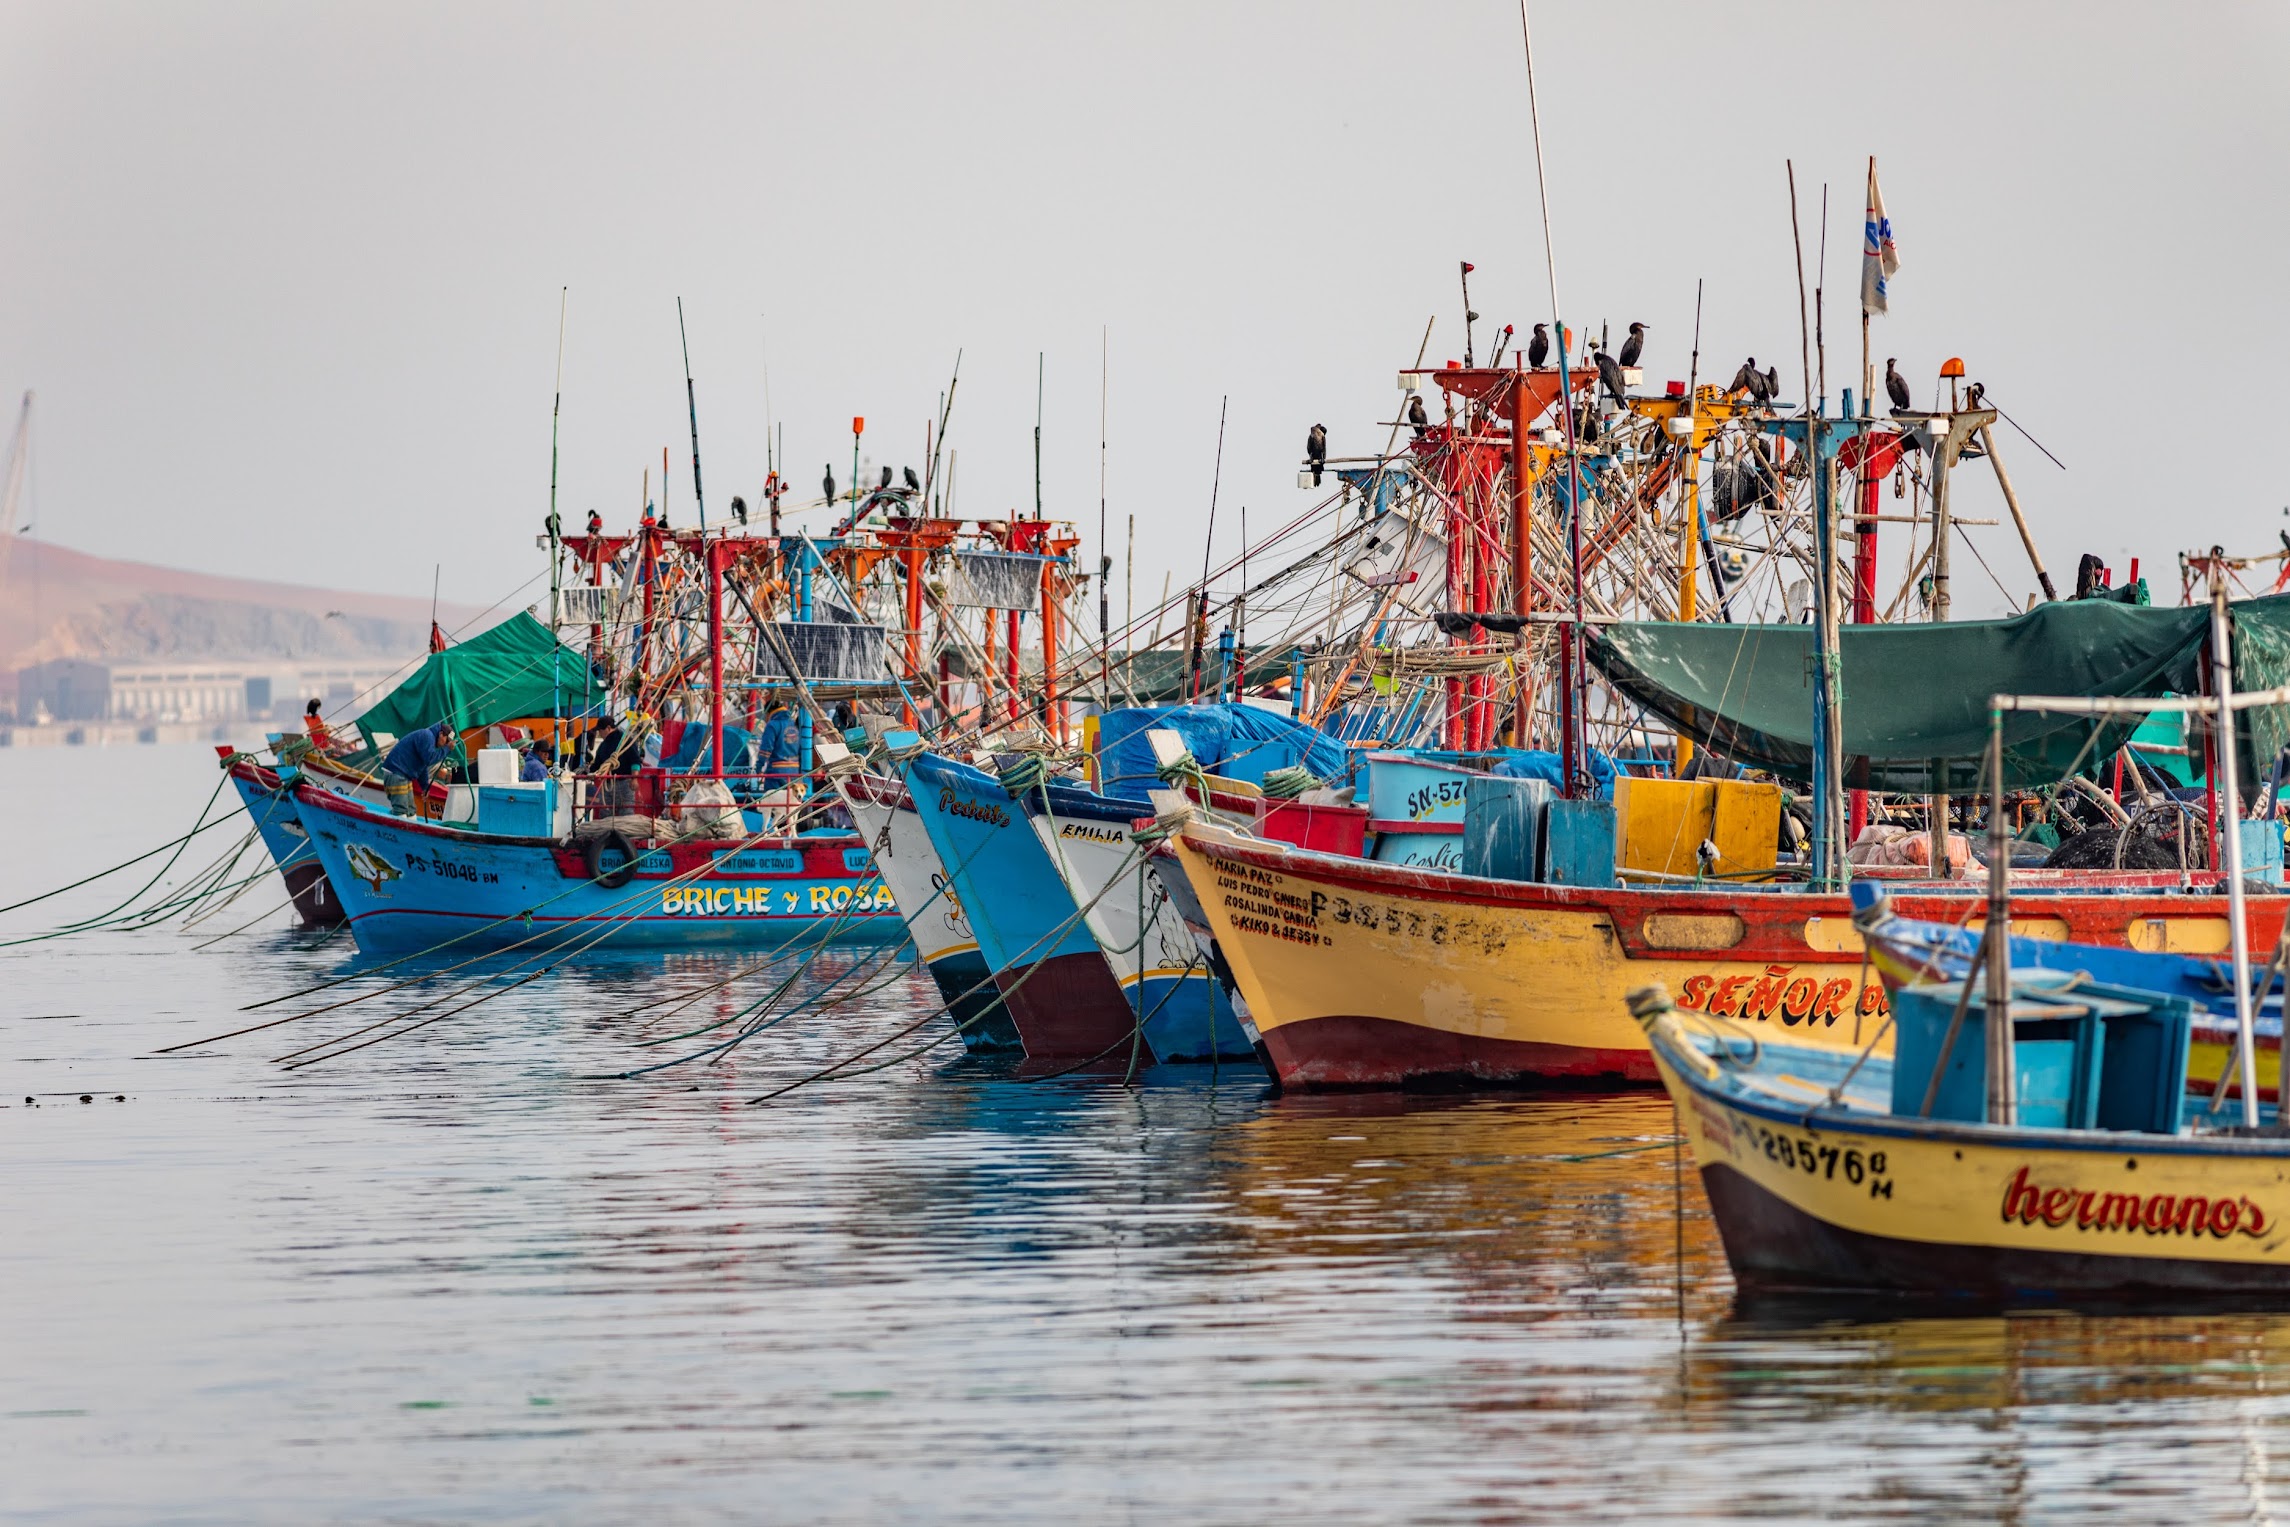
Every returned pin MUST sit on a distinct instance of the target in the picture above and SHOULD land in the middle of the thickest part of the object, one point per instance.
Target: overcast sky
(286, 277)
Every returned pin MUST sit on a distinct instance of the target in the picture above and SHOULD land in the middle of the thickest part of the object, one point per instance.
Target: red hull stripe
(1069, 1008)
(1349, 1051)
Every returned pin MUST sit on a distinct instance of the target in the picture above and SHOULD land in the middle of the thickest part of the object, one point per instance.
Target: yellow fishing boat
(1365, 974)
(1841, 1176)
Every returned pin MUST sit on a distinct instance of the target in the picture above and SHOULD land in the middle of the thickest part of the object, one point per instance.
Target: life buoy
(596, 850)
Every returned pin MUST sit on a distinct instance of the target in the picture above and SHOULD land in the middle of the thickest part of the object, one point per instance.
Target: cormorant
(828, 483)
(1316, 451)
(1772, 383)
(886, 476)
(1539, 347)
(1415, 414)
(1974, 393)
(1634, 346)
(739, 510)
(913, 483)
(1746, 379)
(1610, 372)
(595, 523)
(1895, 385)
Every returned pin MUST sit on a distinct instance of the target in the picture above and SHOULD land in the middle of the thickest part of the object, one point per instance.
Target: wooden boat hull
(1165, 981)
(1054, 980)
(269, 801)
(410, 884)
(1810, 1199)
(933, 914)
(1359, 974)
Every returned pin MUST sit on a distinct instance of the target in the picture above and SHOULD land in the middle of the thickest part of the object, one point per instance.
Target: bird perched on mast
(1539, 346)
(1748, 379)
(886, 477)
(828, 483)
(1634, 346)
(1772, 384)
(1415, 414)
(1316, 451)
(1609, 372)
(913, 483)
(1895, 385)
(739, 510)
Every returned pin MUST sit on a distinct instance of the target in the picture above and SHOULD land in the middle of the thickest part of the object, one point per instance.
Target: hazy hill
(55, 602)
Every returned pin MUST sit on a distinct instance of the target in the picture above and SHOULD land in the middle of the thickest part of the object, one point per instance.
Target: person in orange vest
(314, 727)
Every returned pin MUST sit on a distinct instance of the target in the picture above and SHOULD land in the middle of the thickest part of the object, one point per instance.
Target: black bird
(1610, 372)
(1316, 451)
(1772, 384)
(1539, 347)
(739, 509)
(1895, 385)
(886, 477)
(913, 483)
(829, 483)
(1634, 346)
(595, 523)
(1974, 393)
(1415, 414)
(1746, 379)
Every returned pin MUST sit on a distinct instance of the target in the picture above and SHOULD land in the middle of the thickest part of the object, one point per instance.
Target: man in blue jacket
(410, 764)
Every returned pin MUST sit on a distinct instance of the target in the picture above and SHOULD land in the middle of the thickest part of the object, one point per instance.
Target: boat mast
(692, 408)
(1570, 632)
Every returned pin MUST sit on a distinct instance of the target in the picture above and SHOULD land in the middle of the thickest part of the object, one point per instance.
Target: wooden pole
(2002, 1100)
(2012, 502)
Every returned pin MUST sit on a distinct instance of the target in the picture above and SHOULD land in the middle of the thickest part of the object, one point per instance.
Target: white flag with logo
(1879, 257)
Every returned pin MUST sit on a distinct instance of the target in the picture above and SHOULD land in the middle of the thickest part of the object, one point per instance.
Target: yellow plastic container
(1661, 824)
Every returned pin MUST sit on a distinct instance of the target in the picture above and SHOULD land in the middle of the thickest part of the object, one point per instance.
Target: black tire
(596, 851)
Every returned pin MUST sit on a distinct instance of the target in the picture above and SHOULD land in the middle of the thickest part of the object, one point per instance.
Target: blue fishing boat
(408, 883)
(268, 795)
(1054, 979)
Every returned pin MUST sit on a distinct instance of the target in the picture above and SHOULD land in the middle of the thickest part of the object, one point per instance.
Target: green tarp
(1915, 702)
(514, 670)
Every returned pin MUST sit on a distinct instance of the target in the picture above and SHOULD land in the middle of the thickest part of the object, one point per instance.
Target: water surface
(467, 1275)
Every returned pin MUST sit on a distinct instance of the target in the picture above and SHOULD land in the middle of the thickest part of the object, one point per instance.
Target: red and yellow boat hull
(1360, 974)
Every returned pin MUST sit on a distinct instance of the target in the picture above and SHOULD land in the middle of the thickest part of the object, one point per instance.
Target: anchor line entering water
(1050, 937)
(524, 915)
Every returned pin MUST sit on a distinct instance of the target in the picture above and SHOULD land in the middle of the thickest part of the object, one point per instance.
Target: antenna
(1104, 556)
(691, 402)
(556, 410)
(1040, 362)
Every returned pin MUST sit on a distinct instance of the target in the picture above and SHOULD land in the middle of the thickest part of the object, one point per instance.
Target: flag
(436, 637)
(1879, 257)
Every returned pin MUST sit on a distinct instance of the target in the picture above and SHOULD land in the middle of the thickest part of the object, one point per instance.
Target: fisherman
(410, 764)
(531, 771)
(779, 747)
(314, 727)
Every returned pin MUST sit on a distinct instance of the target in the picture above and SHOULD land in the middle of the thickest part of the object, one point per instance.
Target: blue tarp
(692, 749)
(1240, 742)
(1535, 764)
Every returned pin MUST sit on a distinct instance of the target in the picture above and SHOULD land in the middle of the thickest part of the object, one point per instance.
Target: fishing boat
(407, 883)
(1828, 1179)
(1054, 980)
(2077, 1161)
(1166, 981)
(268, 799)
(901, 852)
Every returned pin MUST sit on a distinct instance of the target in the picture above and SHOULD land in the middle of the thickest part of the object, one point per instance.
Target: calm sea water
(458, 1277)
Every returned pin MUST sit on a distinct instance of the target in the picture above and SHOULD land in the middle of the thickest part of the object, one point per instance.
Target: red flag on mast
(436, 637)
